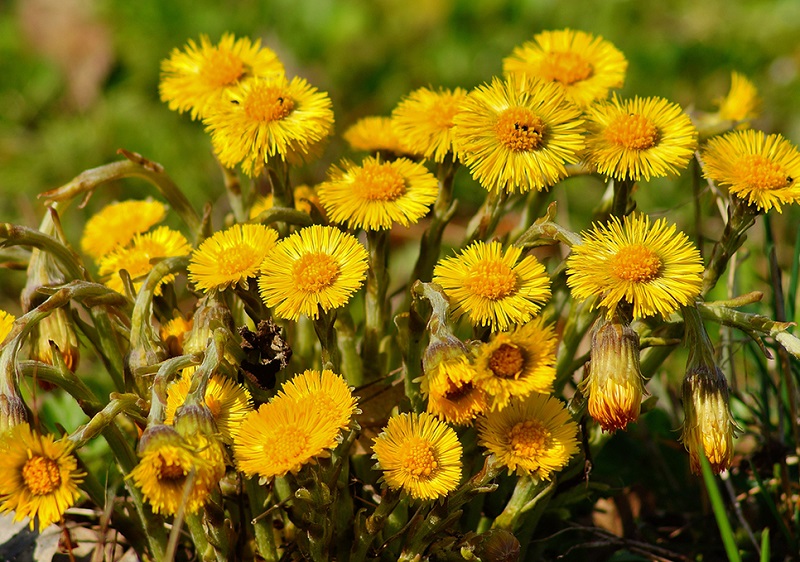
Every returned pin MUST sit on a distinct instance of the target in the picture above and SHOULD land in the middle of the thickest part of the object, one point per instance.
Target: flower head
(649, 265)
(193, 79)
(39, 476)
(230, 257)
(228, 402)
(263, 118)
(615, 385)
(452, 394)
(319, 266)
(639, 139)
(424, 120)
(763, 170)
(282, 436)
(419, 455)
(585, 66)
(495, 288)
(115, 225)
(517, 135)
(742, 102)
(135, 258)
(174, 332)
(324, 392)
(374, 134)
(516, 363)
(532, 436)
(377, 194)
(304, 198)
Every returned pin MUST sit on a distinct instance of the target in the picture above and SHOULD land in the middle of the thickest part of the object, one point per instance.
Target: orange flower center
(507, 361)
(632, 131)
(237, 260)
(313, 272)
(528, 439)
(379, 182)
(491, 280)
(761, 173)
(566, 68)
(267, 103)
(222, 68)
(457, 392)
(418, 458)
(41, 475)
(169, 470)
(636, 263)
(520, 129)
(289, 445)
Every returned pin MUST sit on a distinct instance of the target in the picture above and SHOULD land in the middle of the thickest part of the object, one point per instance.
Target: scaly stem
(324, 328)
(741, 217)
(375, 304)
(527, 495)
(262, 526)
(485, 220)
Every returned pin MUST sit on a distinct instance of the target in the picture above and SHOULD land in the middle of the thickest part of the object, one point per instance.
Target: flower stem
(741, 216)
(528, 495)
(375, 303)
(324, 328)
(487, 217)
(262, 526)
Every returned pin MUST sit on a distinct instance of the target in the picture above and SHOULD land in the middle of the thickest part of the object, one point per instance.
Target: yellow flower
(517, 363)
(495, 288)
(174, 332)
(760, 169)
(518, 134)
(228, 402)
(419, 455)
(319, 266)
(424, 120)
(651, 266)
(230, 257)
(533, 436)
(324, 392)
(39, 476)
(742, 102)
(377, 194)
(451, 391)
(117, 223)
(135, 258)
(263, 118)
(195, 78)
(639, 139)
(166, 462)
(282, 436)
(585, 66)
(304, 199)
(374, 134)
(6, 323)
(615, 385)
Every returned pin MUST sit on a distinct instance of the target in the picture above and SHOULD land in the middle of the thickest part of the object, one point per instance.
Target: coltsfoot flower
(374, 134)
(324, 392)
(742, 102)
(450, 388)
(424, 119)
(116, 224)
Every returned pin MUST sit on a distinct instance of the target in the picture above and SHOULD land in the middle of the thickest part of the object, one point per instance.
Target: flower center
(379, 182)
(636, 263)
(759, 172)
(528, 439)
(238, 259)
(170, 470)
(222, 68)
(288, 446)
(313, 272)
(566, 68)
(491, 280)
(418, 458)
(507, 361)
(457, 392)
(520, 129)
(41, 475)
(634, 132)
(267, 103)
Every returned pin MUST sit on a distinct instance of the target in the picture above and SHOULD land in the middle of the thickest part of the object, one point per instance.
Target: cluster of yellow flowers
(299, 255)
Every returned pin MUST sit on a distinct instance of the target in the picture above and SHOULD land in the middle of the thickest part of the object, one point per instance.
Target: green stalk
(262, 524)
(375, 303)
(346, 339)
(367, 528)
(487, 217)
(622, 197)
(324, 328)
(204, 551)
(741, 216)
(528, 494)
(725, 530)
(579, 320)
(234, 190)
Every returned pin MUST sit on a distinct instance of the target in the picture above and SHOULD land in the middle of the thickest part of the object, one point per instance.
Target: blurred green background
(80, 77)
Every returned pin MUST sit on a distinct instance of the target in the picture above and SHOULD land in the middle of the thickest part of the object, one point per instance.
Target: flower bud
(615, 384)
(57, 328)
(12, 411)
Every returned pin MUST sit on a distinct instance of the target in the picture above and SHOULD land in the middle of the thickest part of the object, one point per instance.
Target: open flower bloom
(304, 198)
(39, 476)
(516, 363)
(116, 224)
(495, 288)
(649, 265)
(318, 266)
(585, 66)
(639, 138)
(533, 436)
(742, 102)
(424, 120)
(135, 258)
(374, 133)
(193, 79)
(419, 455)
(230, 257)
(323, 392)
(615, 385)
(518, 134)
(451, 391)
(377, 194)
(263, 118)
(760, 169)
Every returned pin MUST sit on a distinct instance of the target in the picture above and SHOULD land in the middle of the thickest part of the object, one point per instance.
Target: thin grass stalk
(724, 525)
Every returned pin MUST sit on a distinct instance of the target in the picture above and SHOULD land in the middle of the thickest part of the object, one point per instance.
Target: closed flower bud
(59, 329)
(615, 384)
